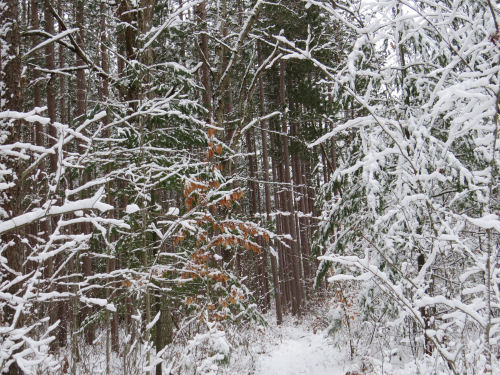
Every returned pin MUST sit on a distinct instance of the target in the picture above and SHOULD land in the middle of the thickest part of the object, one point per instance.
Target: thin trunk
(51, 89)
(81, 93)
(164, 328)
(125, 40)
(281, 220)
(254, 197)
(296, 296)
(279, 229)
(51, 110)
(10, 76)
(145, 24)
(111, 339)
(296, 181)
(62, 80)
(11, 60)
(267, 191)
(103, 97)
(428, 349)
(37, 99)
(62, 306)
(285, 225)
(324, 163)
(304, 227)
(75, 321)
(264, 280)
(205, 68)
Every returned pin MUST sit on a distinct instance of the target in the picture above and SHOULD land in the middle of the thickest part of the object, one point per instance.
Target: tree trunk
(201, 13)
(289, 200)
(51, 110)
(297, 189)
(281, 223)
(62, 306)
(305, 233)
(164, 328)
(51, 88)
(267, 191)
(81, 93)
(10, 75)
(254, 210)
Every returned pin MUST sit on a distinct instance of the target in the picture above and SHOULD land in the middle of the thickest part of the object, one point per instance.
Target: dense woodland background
(172, 169)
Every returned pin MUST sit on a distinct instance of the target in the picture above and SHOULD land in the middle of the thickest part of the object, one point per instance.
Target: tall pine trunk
(267, 192)
(10, 70)
(289, 201)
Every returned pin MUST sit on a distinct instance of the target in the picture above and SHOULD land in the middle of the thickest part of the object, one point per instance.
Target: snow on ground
(300, 351)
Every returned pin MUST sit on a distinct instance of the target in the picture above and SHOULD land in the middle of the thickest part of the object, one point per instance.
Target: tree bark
(52, 113)
(201, 13)
(10, 75)
(297, 194)
(81, 109)
(289, 200)
(62, 306)
(280, 223)
(51, 88)
(267, 191)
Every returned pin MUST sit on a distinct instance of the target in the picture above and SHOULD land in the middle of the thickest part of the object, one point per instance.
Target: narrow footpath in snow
(300, 351)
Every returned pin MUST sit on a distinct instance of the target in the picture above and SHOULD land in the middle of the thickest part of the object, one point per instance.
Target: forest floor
(299, 346)
(302, 351)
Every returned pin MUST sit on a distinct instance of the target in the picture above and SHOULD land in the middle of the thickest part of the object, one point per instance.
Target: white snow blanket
(301, 352)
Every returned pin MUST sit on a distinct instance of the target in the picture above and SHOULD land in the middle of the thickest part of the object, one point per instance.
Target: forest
(181, 178)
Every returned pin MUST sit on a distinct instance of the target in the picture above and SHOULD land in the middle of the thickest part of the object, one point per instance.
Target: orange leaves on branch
(235, 233)
(346, 304)
(219, 317)
(195, 186)
(210, 153)
(212, 150)
(201, 256)
(252, 247)
(225, 240)
(208, 233)
(189, 203)
(251, 230)
(237, 195)
(180, 237)
(237, 294)
(229, 240)
(189, 275)
(227, 200)
(219, 277)
(127, 283)
(211, 132)
(194, 190)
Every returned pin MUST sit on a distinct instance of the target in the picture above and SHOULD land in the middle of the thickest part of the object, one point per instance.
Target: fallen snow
(303, 352)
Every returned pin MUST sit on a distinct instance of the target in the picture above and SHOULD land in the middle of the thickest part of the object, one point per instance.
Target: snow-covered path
(300, 352)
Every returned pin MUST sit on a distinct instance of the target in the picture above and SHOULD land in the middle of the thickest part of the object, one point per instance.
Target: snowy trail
(301, 352)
